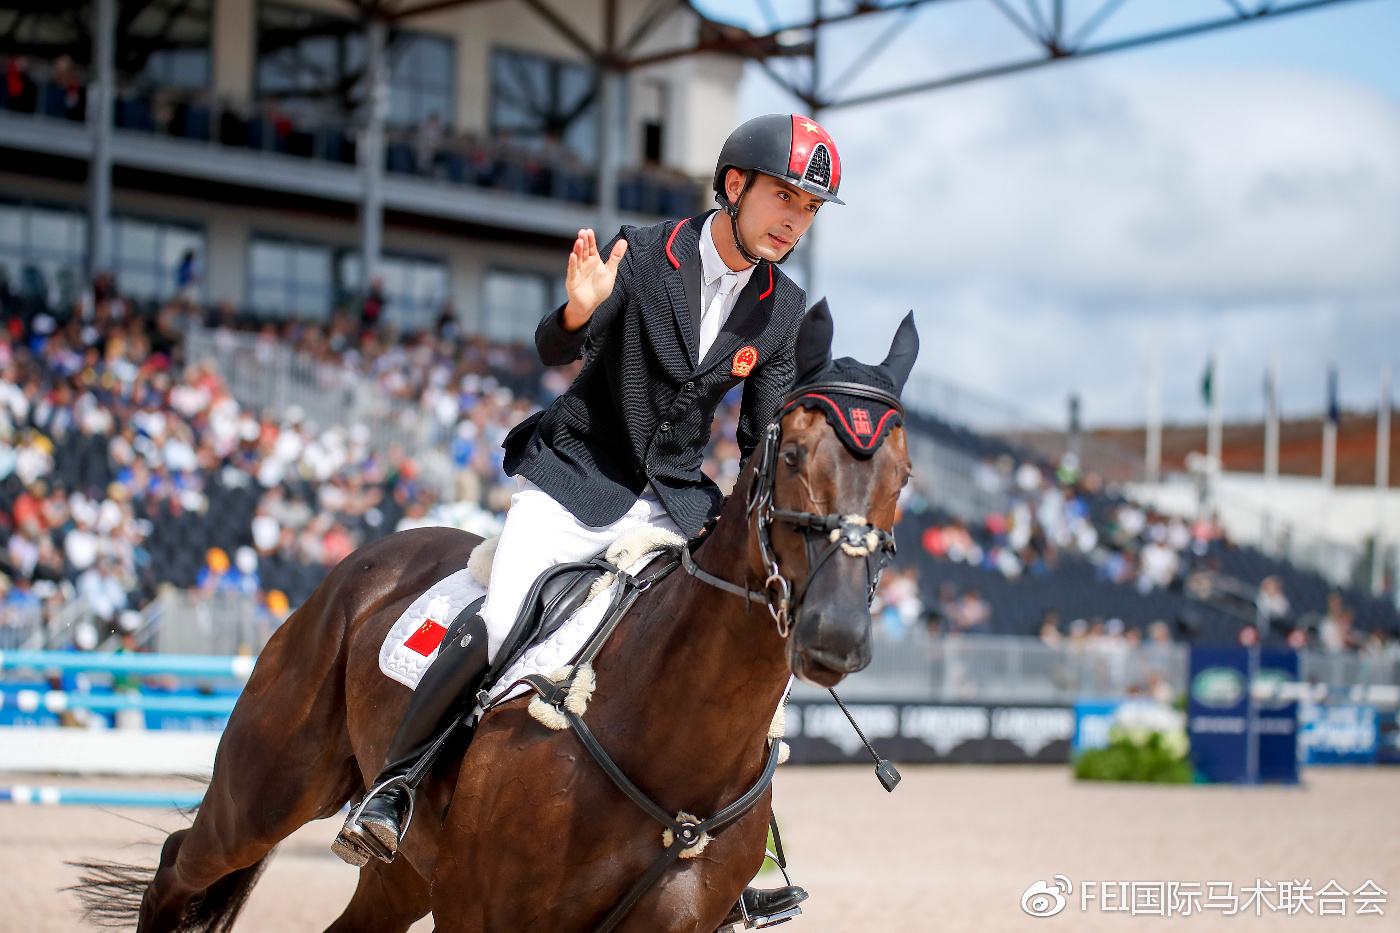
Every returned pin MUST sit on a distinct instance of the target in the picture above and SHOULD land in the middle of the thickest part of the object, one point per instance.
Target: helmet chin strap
(732, 209)
(733, 212)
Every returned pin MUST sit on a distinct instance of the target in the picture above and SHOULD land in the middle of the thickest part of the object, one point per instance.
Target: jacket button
(689, 386)
(665, 426)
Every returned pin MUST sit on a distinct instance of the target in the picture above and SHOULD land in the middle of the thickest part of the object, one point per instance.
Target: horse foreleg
(388, 899)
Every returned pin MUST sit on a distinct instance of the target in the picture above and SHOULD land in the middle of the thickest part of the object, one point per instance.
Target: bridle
(852, 535)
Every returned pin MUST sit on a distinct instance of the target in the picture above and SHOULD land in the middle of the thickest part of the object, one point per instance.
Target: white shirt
(719, 287)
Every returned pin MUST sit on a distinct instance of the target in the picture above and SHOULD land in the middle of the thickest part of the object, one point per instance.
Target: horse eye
(792, 456)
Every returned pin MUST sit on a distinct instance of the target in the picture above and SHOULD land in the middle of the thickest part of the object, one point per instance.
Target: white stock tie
(712, 318)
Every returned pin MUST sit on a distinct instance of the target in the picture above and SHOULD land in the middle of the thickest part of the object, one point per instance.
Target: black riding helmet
(787, 146)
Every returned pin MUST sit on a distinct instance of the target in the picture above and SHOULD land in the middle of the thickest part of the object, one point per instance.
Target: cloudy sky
(1060, 230)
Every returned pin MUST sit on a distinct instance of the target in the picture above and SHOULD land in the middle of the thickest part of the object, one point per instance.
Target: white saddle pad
(413, 641)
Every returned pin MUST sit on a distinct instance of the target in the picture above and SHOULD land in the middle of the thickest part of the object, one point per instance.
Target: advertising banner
(1276, 721)
(1218, 713)
(931, 732)
(1234, 736)
(1092, 720)
(1340, 734)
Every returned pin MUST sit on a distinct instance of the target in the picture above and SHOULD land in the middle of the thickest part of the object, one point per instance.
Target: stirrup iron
(355, 844)
(759, 921)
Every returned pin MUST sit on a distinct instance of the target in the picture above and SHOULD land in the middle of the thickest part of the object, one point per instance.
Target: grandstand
(284, 158)
(229, 404)
(204, 488)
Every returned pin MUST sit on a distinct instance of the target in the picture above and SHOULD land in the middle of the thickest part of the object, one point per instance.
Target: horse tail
(110, 895)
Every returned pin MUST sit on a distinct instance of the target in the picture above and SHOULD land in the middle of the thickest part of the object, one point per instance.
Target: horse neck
(704, 670)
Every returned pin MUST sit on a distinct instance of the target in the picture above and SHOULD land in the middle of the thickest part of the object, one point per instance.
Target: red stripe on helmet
(806, 134)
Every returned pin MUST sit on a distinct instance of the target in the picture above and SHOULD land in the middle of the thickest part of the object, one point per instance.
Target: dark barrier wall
(931, 732)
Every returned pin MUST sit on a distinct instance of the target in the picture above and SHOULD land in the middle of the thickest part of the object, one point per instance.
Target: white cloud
(1048, 229)
(1033, 352)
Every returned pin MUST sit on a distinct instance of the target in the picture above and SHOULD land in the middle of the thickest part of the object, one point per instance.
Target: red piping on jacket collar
(676, 263)
(874, 435)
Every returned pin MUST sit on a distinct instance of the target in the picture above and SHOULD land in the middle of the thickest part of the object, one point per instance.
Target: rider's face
(773, 215)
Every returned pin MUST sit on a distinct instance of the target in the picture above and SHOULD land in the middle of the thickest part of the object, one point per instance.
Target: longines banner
(931, 732)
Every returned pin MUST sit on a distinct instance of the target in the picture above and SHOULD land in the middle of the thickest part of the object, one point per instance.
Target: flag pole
(1271, 425)
(1382, 483)
(1271, 432)
(1214, 429)
(1329, 449)
(1329, 432)
(1153, 454)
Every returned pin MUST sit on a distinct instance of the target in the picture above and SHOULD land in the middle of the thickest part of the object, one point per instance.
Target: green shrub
(1155, 758)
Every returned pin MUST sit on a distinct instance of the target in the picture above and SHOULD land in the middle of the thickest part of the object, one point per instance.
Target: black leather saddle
(554, 596)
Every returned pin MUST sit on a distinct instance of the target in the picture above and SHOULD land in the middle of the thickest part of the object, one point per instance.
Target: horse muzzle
(824, 652)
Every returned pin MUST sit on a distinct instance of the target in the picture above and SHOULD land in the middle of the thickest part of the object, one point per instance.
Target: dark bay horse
(525, 833)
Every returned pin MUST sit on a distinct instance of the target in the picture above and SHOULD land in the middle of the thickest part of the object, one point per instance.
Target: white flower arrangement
(1137, 720)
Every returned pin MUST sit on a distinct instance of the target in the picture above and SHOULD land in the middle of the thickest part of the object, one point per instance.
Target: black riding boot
(446, 692)
(758, 908)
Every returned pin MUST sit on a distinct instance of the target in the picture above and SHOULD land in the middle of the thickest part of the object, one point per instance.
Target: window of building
(167, 44)
(312, 63)
(421, 78)
(43, 251)
(652, 106)
(415, 288)
(160, 43)
(147, 254)
(514, 301)
(308, 61)
(287, 278)
(538, 101)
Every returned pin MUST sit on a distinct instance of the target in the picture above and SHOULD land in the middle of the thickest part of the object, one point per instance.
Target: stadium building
(259, 150)
(180, 471)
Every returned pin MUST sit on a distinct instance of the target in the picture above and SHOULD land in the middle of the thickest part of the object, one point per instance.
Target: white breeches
(539, 533)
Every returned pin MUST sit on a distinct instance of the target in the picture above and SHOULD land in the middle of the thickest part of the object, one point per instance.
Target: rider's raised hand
(590, 278)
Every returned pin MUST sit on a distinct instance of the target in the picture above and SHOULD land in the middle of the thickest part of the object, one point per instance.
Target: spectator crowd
(544, 168)
(127, 464)
(1060, 545)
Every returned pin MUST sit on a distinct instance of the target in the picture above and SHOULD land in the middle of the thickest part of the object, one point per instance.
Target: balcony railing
(456, 159)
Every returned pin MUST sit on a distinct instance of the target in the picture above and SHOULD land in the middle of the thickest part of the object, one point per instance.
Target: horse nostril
(853, 659)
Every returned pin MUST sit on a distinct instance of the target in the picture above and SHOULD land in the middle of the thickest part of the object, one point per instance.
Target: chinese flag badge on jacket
(744, 361)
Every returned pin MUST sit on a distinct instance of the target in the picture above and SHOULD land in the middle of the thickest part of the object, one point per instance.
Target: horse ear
(904, 349)
(813, 342)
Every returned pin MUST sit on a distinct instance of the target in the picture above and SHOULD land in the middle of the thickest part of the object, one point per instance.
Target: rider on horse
(667, 319)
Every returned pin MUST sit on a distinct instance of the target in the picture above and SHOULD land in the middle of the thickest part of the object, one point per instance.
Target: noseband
(853, 535)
